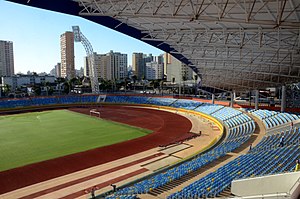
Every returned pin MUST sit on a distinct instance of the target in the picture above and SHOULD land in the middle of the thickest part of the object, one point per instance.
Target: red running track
(168, 127)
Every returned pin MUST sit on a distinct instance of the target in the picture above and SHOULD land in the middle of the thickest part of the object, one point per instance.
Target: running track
(168, 127)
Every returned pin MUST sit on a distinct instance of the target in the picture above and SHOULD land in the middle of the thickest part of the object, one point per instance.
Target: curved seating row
(272, 118)
(42, 101)
(209, 108)
(264, 159)
(245, 127)
(186, 104)
(161, 101)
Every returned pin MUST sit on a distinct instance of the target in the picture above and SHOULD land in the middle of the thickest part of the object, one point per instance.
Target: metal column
(212, 98)
(231, 99)
(256, 99)
(283, 98)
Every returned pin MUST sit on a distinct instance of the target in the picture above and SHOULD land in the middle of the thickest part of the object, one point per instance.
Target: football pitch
(33, 137)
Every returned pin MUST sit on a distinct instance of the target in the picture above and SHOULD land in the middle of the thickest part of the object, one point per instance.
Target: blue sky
(35, 34)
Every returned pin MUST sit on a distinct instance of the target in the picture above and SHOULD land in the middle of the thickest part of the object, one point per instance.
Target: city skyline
(35, 34)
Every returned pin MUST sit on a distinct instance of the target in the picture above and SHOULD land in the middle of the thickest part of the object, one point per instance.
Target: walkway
(120, 171)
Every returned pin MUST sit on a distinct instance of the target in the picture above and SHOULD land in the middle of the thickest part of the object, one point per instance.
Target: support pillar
(212, 98)
(250, 94)
(283, 98)
(256, 99)
(231, 99)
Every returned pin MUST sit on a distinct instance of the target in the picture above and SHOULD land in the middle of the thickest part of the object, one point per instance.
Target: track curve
(168, 127)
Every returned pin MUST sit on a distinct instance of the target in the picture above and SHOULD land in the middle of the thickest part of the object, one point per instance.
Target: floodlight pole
(79, 37)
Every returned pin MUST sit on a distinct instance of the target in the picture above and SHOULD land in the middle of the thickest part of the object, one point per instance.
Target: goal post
(95, 112)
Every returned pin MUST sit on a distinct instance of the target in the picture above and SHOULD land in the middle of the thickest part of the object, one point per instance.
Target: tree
(143, 80)
(37, 90)
(134, 78)
(152, 83)
(6, 89)
(60, 80)
(66, 87)
(50, 91)
(72, 82)
(47, 86)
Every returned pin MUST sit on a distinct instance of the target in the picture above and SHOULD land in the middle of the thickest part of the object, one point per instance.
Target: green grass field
(33, 137)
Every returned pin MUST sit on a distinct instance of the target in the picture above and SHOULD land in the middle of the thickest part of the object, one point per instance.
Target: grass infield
(33, 137)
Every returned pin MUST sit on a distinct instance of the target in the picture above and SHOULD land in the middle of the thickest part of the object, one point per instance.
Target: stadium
(144, 146)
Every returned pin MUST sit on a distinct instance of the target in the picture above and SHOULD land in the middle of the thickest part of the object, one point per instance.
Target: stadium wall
(272, 186)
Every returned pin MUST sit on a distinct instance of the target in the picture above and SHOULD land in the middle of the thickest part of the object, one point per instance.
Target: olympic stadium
(171, 147)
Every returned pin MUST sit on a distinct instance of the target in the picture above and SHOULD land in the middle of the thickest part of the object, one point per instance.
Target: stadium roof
(230, 44)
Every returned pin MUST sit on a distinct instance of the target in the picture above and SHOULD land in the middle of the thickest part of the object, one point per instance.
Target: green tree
(66, 87)
(134, 78)
(37, 90)
(6, 89)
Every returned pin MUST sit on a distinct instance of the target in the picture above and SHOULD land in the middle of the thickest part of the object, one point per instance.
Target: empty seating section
(122, 197)
(161, 101)
(43, 101)
(14, 103)
(69, 99)
(186, 104)
(89, 98)
(264, 159)
(117, 99)
(272, 140)
(226, 113)
(272, 118)
(138, 100)
(127, 99)
(208, 108)
(244, 129)
(240, 131)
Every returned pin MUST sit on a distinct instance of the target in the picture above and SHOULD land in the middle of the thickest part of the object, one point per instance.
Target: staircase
(191, 176)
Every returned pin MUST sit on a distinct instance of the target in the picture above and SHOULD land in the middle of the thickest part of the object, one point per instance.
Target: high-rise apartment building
(58, 70)
(138, 65)
(176, 70)
(111, 66)
(6, 58)
(155, 68)
(67, 55)
(139, 61)
(116, 65)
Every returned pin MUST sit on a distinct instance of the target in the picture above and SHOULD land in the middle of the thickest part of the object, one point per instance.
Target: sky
(35, 34)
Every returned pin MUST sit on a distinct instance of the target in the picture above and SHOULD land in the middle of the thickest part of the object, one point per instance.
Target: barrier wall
(268, 186)
(210, 118)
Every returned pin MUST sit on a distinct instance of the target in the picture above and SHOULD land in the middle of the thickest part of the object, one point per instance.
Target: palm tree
(60, 80)
(161, 86)
(46, 85)
(152, 83)
(143, 80)
(72, 82)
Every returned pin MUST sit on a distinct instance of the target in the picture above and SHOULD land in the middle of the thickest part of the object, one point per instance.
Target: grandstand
(266, 158)
(233, 46)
